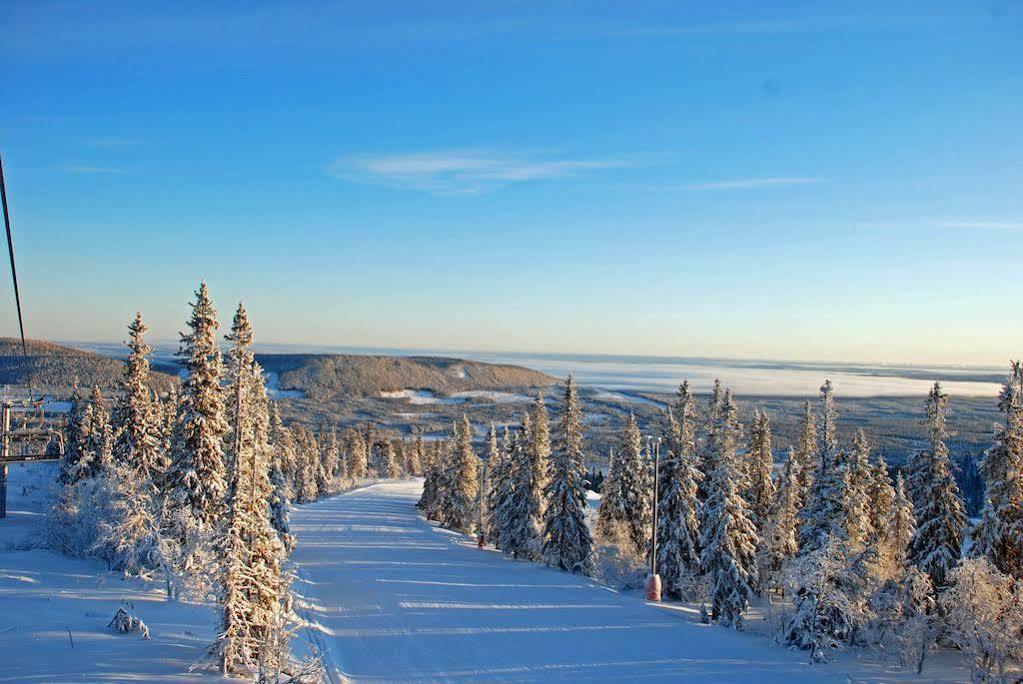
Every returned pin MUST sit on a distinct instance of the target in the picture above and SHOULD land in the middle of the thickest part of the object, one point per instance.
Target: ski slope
(390, 597)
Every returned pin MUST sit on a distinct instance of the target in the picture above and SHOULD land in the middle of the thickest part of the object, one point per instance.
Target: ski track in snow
(392, 598)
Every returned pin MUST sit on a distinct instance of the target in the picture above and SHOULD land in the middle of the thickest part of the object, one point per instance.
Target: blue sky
(799, 180)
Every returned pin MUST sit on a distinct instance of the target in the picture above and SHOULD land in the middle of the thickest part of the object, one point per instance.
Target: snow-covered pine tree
(678, 556)
(999, 536)
(308, 454)
(805, 449)
(901, 525)
(285, 457)
(858, 526)
(253, 586)
(540, 444)
(135, 418)
(611, 513)
(99, 441)
(728, 537)
(940, 517)
(636, 490)
(778, 543)
(489, 470)
(328, 456)
(500, 490)
(711, 420)
(76, 462)
(464, 480)
(196, 479)
(759, 494)
(521, 524)
(390, 460)
(417, 456)
(358, 458)
(880, 498)
(566, 538)
(824, 514)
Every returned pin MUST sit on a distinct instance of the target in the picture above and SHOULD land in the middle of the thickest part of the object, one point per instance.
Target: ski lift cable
(10, 250)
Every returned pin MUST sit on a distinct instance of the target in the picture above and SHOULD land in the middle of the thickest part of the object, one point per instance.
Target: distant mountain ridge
(57, 368)
(332, 376)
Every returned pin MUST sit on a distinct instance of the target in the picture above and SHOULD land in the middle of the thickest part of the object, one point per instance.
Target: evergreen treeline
(195, 484)
(860, 557)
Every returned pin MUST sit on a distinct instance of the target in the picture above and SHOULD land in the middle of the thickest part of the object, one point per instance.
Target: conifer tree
(635, 487)
(805, 450)
(490, 470)
(881, 498)
(136, 418)
(566, 541)
(358, 458)
(196, 478)
(390, 461)
(778, 544)
(611, 513)
(76, 462)
(253, 586)
(678, 557)
(728, 537)
(901, 525)
(759, 494)
(540, 444)
(521, 519)
(308, 453)
(824, 515)
(285, 457)
(858, 527)
(999, 537)
(940, 518)
(416, 456)
(461, 504)
(99, 437)
(712, 419)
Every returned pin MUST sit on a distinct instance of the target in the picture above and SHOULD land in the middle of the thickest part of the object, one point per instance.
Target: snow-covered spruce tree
(196, 480)
(417, 456)
(999, 537)
(805, 449)
(778, 544)
(824, 514)
(253, 586)
(540, 444)
(611, 511)
(464, 480)
(128, 535)
(728, 538)
(500, 490)
(308, 453)
(489, 470)
(389, 462)
(678, 556)
(704, 449)
(566, 538)
(99, 442)
(940, 518)
(358, 460)
(759, 494)
(901, 526)
(521, 526)
(76, 464)
(880, 499)
(135, 418)
(984, 614)
(828, 597)
(858, 526)
(329, 455)
(635, 487)
(282, 442)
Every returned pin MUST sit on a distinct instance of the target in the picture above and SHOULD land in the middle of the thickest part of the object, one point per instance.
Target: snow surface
(608, 395)
(421, 397)
(274, 391)
(49, 601)
(390, 597)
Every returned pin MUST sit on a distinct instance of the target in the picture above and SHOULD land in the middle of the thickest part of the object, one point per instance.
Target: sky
(784, 180)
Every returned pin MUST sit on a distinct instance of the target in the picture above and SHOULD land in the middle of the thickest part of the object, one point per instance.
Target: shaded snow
(421, 397)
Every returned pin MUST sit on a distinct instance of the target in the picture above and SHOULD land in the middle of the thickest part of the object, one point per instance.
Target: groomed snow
(390, 597)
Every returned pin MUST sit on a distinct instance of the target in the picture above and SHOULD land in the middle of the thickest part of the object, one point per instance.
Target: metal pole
(5, 452)
(653, 545)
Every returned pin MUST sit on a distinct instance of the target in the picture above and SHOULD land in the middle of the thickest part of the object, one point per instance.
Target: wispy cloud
(754, 183)
(1011, 226)
(94, 170)
(461, 171)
